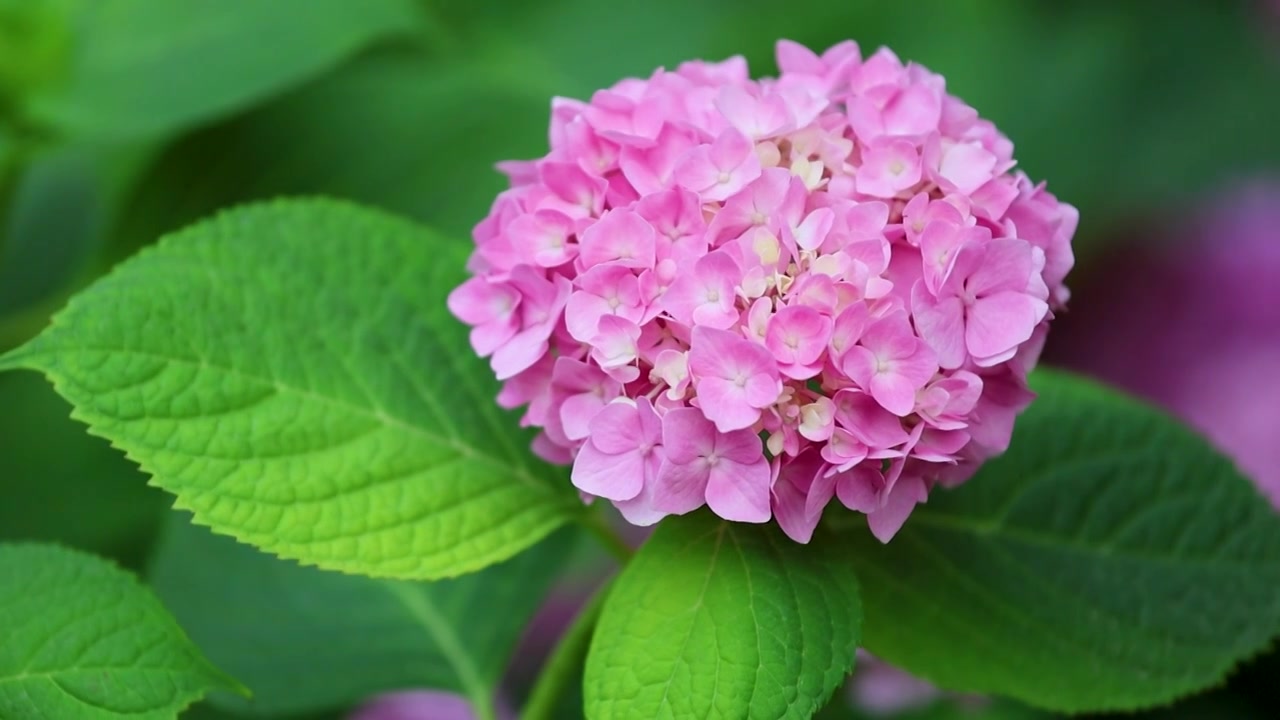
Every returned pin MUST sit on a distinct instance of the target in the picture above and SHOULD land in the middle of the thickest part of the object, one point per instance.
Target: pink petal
(650, 169)
(907, 492)
(999, 323)
(859, 365)
(478, 301)
(621, 237)
(1006, 264)
(542, 237)
(796, 58)
(847, 329)
(519, 353)
(859, 489)
(619, 428)
(740, 446)
(725, 404)
(941, 325)
(687, 435)
(888, 169)
(487, 338)
(577, 412)
(894, 392)
(914, 112)
(789, 510)
(871, 424)
(680, 488)
(707, 295)
(740, 492)
(967, 166)
(582, 315)
(813, 231)
(571, 184)
(797, 334)
(727, 355)
(616, 477)
(919, 367)
(639, 510)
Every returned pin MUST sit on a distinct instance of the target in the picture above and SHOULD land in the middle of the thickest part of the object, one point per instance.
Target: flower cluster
(763, 295)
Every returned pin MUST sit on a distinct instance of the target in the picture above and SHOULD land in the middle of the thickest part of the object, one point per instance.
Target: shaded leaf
(309, 640)
(1110, 560)
(84, 640)
(291, 373)
(151, 67)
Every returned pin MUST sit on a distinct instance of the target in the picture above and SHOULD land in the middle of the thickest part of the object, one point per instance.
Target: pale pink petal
(740, 446)
(615, 477)
(687, 435)
(640, 509)
(577, 412)
(724, 403)
(621, 237)
(1007, 264)
(859, 489)
(681, 488)
(894, 392)
(941, 325)
(906, 494)
(998, 323)
(740, 492)
(617, 428)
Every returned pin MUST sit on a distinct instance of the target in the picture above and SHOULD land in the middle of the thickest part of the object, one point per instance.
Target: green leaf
(308, 640)
(395, 129)
(34, 44)
(84, 640)
(151, 67)
(723, 620)
(1110, 560)
(289, 371)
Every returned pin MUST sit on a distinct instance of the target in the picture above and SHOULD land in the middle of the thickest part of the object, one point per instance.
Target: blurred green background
(121, 120)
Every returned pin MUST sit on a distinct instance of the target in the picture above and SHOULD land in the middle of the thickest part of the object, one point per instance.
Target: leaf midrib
(721, 528)
(521, 472)
(422, 609)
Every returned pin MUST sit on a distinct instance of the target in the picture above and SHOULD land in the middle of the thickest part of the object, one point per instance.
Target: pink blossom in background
(1193, 324)
(419, 705)
(882, 690)
(762, 296)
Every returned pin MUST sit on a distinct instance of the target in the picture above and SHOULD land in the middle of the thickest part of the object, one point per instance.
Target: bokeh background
(121, 120)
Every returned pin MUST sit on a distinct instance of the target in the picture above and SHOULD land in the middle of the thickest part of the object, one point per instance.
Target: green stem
(598, 526)
(566, 660)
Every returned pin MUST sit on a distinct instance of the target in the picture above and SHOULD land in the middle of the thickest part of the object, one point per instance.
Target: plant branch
(568, 656)
(608, 537)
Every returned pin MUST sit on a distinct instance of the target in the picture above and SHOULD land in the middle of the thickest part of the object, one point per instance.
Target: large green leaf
(308, 640)
(290, 371)
(83, 640)
(723, 620)
(1109, 560)
(150, 67)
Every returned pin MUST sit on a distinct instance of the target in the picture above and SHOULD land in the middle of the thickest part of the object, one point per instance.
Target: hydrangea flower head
(766, 296)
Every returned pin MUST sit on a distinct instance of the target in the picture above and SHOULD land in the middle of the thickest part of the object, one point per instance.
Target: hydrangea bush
(757, 296)
(763, 295)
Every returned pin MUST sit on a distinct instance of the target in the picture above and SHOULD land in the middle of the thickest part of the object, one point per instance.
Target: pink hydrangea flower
(765, 296)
